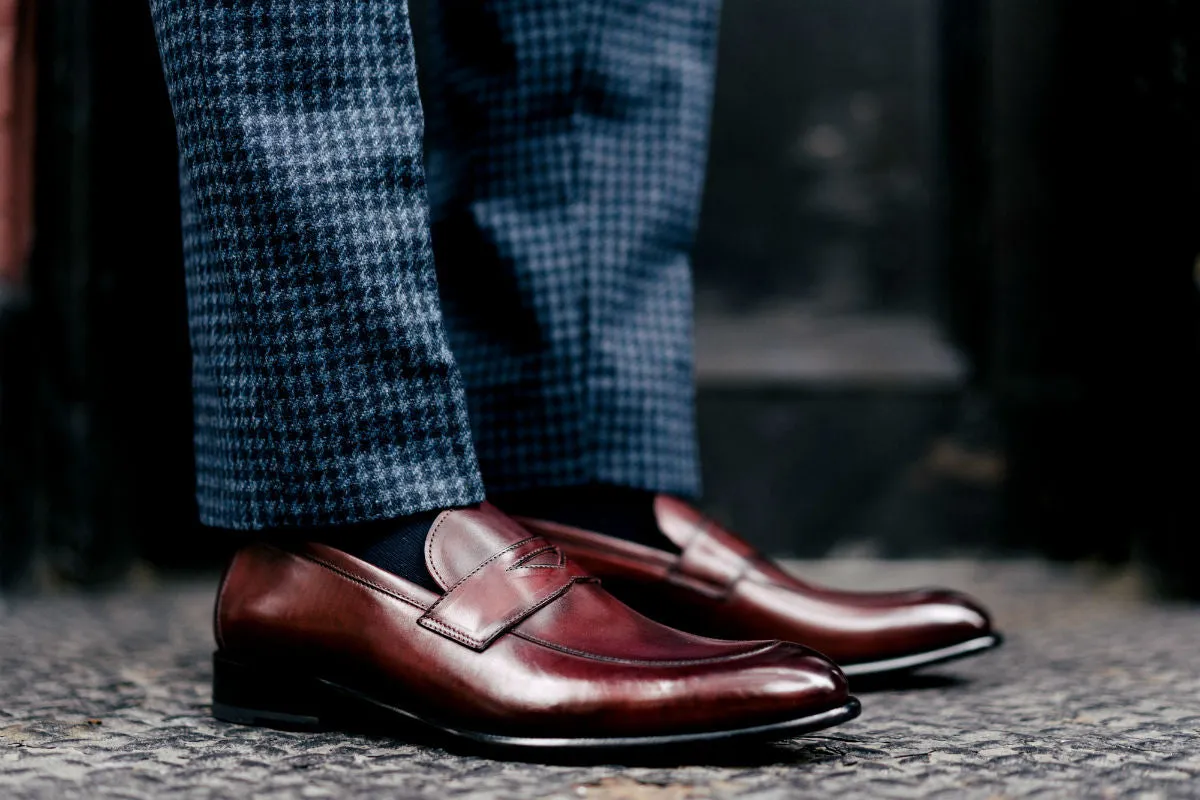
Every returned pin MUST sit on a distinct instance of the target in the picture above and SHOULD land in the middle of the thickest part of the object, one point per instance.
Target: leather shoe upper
(521, 641)
(718, 585)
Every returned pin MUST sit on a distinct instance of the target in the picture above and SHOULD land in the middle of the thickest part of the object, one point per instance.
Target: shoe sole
(246, 696)
(901, 664)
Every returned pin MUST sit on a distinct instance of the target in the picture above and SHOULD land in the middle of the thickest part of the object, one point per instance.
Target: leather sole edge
(774, 731)
(353, 706)
(901, 664)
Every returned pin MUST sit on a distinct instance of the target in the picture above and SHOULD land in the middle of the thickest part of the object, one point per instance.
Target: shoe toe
(787, 681)
(938, 618)
(959, 611)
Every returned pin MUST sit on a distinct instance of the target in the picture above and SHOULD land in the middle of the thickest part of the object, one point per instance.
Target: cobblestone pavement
(1097, 694)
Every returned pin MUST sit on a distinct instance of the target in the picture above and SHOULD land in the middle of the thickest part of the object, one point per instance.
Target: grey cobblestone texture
(1097, 694)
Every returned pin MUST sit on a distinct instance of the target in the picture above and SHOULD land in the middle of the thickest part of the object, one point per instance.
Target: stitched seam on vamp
(362, 581)
(646, 663)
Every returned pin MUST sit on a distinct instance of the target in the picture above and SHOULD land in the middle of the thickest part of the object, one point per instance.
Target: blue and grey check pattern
(567, 147)
(325, 390)
(567, 166)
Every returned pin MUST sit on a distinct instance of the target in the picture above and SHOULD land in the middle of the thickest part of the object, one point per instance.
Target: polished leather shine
(522, 642)
(717, 585)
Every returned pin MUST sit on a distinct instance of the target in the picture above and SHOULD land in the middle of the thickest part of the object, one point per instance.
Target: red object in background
(16, 137)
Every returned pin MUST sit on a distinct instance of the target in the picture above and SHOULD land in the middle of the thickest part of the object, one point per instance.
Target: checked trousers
(385, 322)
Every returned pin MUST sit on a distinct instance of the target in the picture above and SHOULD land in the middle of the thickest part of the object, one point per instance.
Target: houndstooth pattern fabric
(325, 391)
(567, 148)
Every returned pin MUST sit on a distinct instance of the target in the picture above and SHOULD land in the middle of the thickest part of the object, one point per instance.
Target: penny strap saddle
(501, 592)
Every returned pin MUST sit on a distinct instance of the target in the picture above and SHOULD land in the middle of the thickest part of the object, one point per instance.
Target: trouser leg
(325, 390)
(567, 158)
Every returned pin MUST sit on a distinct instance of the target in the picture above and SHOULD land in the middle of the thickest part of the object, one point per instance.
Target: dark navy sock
(396, 545)
(612, 510)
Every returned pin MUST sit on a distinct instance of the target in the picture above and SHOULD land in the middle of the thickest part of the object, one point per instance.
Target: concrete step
(847, 434)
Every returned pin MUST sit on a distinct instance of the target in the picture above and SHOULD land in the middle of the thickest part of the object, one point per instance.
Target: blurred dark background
(946, 277)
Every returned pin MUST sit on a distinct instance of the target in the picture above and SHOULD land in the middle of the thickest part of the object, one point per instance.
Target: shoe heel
(246, 694)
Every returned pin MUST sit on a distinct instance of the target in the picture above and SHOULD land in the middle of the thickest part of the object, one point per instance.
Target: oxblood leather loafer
(717, 585)
(524, 649)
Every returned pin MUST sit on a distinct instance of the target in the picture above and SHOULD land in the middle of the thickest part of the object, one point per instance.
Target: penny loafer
(523, 649)
(717, 585)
